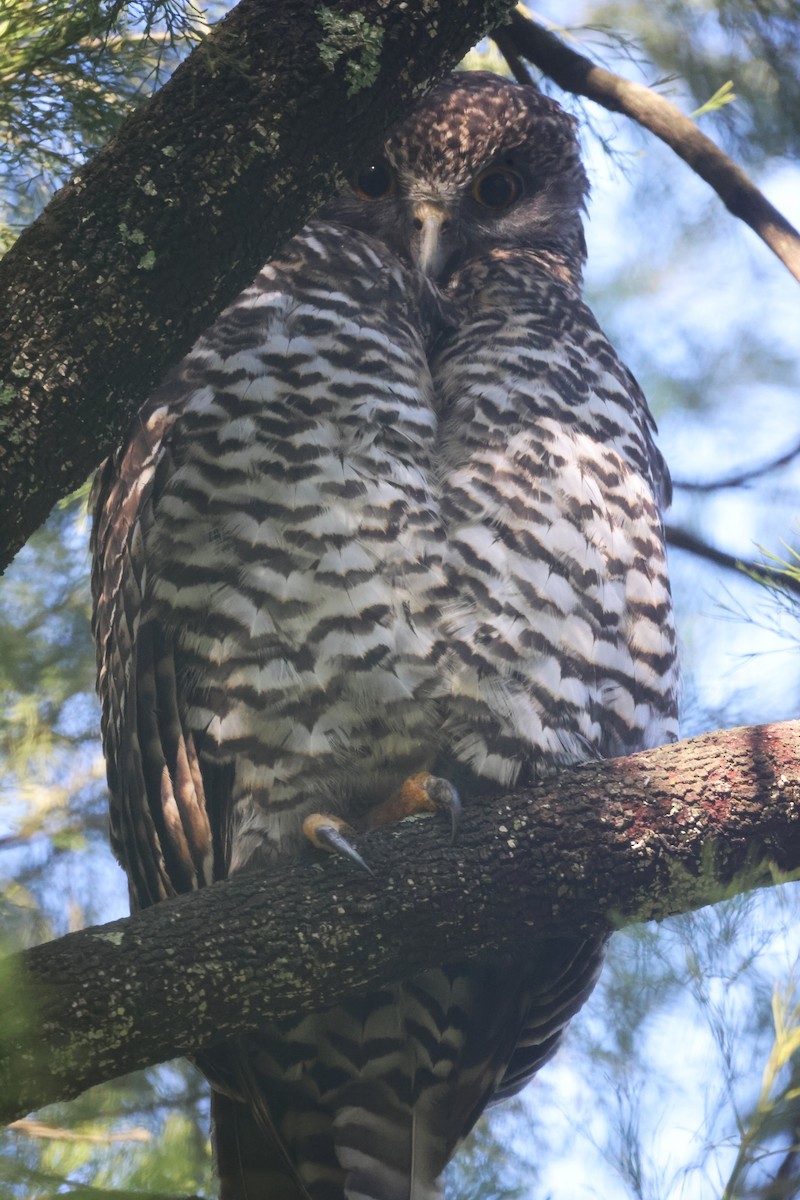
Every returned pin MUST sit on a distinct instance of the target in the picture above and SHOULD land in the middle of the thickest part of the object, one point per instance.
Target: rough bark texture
(602, 846)
(136, 256)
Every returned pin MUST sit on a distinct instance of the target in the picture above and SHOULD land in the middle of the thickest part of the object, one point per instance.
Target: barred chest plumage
(298, 552)
(371, 569)
(562, 631)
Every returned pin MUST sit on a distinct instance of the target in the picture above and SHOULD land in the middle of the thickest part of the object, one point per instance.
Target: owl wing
(159, 821)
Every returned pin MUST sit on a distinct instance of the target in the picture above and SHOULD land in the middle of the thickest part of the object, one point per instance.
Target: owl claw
(328, 833)
(444, 796)
(420, 793)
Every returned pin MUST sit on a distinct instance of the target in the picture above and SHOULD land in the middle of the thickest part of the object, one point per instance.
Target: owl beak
(429, 239)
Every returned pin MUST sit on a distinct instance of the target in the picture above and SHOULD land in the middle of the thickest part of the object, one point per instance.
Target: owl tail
(250, 1165)
(373, 1096)
(386, 1155)
(434, 1048)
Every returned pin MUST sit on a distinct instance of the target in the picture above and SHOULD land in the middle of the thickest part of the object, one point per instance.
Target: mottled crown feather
(471, 118)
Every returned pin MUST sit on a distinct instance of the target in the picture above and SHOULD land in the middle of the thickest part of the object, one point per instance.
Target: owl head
(481, 162)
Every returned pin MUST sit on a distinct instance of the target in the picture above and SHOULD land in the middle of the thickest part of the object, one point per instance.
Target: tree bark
(143, 248)
(600, 846)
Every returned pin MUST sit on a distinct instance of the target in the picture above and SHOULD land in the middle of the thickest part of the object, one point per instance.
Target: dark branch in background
(738, 478)
(576, 73)
(761, 573)
(786, 1183)
(505, 44)
(603, 845)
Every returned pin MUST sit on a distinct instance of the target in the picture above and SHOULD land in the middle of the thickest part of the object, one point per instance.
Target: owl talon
(329, 834)
(420, 793)
(444, 796)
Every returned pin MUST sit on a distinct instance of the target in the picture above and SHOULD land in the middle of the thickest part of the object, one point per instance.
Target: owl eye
(375, 182)
(497, 189)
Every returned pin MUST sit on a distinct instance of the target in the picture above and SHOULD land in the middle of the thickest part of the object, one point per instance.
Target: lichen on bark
(350, 36)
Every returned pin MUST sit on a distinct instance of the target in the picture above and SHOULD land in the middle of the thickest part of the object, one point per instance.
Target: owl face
(482, 162)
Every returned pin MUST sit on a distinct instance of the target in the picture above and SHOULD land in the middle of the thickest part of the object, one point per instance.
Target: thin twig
(761, 573)
(576, 73)
(38, 1129)
(746, 475)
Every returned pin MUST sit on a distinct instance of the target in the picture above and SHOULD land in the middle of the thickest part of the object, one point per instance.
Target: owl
(389, 534)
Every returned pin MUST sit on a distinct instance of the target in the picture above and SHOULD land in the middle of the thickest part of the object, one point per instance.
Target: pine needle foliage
(69, 73)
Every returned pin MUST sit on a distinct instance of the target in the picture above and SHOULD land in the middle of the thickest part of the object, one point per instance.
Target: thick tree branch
(138, 254)
(604, 845)
(576, 73)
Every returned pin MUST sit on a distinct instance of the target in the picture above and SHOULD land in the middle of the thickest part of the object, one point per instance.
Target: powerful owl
(390, 533)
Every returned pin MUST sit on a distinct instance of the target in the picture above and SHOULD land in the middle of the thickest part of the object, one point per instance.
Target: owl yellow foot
(331, 834)
(420, 793)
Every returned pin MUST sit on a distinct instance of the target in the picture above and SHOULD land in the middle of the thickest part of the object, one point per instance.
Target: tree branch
(742, 476)
(603, 845)
(505, 44)
(760, 573)
(138, 254)
(576, 73)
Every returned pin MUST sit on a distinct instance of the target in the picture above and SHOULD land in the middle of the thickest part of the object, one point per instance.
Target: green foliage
(678, 1064)
(69, 73)
(146, 1135)
(754, 43)
(722, 96)
(777, 1111)
(50, 766)
(350, 36)
(787, 570)
(489, 1165)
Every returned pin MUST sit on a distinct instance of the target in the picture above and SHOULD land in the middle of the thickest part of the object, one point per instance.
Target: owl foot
(420, 793)
(330, 834)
